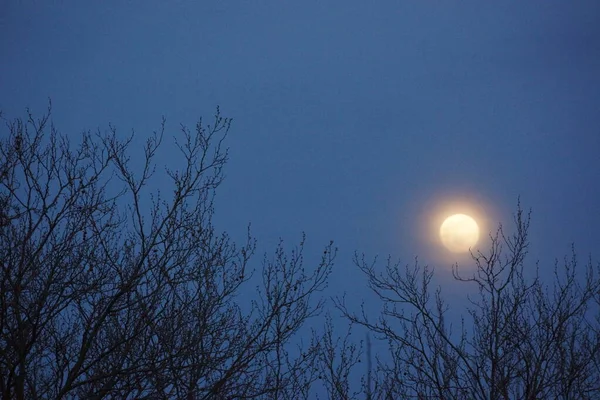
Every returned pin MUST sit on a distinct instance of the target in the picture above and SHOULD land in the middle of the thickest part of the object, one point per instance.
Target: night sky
(353, 121)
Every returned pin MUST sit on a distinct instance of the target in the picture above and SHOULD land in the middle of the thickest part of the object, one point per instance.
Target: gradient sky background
(353, 120)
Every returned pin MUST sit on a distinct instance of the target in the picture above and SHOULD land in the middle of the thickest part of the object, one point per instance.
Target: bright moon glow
(459, 233)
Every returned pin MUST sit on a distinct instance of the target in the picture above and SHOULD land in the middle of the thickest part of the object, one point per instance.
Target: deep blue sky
(353, 120)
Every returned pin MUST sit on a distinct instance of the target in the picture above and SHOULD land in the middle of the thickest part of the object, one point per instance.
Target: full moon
(459, 233)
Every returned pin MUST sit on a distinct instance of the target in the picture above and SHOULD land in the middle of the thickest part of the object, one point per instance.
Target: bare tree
(524, 336)
(109, 289)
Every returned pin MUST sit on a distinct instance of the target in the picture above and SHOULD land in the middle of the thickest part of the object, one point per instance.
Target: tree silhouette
(111, 290)
(522, 338)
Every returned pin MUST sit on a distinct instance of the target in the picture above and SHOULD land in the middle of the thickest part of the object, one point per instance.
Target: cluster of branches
(527, 335)
(111, 290)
